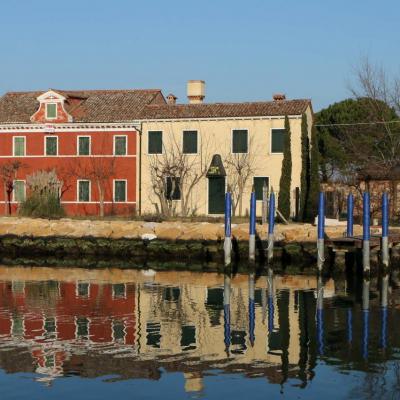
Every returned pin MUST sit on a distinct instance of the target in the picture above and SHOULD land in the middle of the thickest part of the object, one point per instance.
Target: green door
(216, 195)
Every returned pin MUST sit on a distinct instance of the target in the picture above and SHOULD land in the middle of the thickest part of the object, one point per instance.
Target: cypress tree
(305, 169)
(314, 176)
(286, 173)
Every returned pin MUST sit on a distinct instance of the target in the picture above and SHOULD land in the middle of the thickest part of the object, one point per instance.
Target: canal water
(94, 334)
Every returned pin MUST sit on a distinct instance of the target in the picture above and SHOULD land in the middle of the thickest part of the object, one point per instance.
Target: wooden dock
(353, 243)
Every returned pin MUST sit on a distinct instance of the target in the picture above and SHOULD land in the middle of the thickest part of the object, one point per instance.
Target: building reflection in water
(132, 323)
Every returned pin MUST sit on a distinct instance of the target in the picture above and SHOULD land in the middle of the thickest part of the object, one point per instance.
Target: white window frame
(114, 297)
(13, 145)
(162, 142)
(13, 192)
(45, 147)
(248, 139)
(77, 291)
(77, 190)
(197, 144)
(262, 176)
(126, 145)
(270, 141)
(47, 116)
(77, 145)
(126, 190)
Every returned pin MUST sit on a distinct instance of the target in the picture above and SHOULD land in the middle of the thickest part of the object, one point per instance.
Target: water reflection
(57, 322)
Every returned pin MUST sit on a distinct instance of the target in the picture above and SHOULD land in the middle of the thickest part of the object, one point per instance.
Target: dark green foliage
(305, 169)
(314, 177)
(286, 174)
(354, 145)
(42, 206)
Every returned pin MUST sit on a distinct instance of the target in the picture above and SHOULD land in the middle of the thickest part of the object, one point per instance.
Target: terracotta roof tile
(228, 110)
(83, 105)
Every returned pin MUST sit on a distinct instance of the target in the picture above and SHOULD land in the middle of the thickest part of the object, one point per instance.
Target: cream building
(204, 145)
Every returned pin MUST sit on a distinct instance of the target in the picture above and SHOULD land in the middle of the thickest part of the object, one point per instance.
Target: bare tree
(8, 173)
(173, 171)
(240, 167)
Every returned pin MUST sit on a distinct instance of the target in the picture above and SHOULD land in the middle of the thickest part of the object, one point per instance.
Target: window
(120, 145)
(19, 191)
(118, 291)
(259, 182)
(277, 140)
(51, 145)
(173, 190)
(19, 145)
(82, 289)
(83, 145)
(82, 327)
(51, 111)
(155, 142)
(189, 142)
(83, 190)
(239, 141)
(120, 190)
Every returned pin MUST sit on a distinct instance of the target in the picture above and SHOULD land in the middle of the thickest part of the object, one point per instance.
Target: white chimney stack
(196, 91)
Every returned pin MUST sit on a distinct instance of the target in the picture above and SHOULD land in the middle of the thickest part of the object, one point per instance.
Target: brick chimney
(279, 96)
(171, 99)
(196, 91)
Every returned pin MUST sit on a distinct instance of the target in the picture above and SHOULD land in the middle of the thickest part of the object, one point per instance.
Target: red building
(89, 138)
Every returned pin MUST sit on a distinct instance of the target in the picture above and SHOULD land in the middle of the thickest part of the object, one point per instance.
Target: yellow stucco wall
(215, 137)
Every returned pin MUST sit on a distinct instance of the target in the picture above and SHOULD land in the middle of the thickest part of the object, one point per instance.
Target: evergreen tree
(305, 169)
(314, 176)
(286, 174)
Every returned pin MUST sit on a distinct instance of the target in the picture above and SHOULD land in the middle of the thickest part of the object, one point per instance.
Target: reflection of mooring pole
(271, 225)
(350, 326)
(365, 311)
(252, 228)
(385, 230)
(227, 312)
(271, 295)
(228, 232)
(384, 310)
(366, 232)
(251, 308)
(320, 315)
(321, 231)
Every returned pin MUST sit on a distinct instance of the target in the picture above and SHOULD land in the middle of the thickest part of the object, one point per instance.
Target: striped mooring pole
(350, 212)
(228, 231)
(385, 230)
(366, 232)
(252, 228)
(321, 231)
(271, 226)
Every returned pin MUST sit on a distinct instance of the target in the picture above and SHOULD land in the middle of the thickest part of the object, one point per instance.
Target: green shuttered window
(259, 182)
(83, 191)
(189, 142)
(19, 191)
(51, 111)
(120, 145)
(239, 141)
(155, 142)
(120, 191)
(173, 191)
(277, 140)
(84, 145)
(19, 146)
(51, 145)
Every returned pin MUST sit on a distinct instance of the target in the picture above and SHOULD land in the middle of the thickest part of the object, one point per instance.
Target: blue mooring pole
(228, 232)
(384, 310)
(366, 232)
(271, 225)
(252, 312)
(350, 211)
(271, 296)
(227, 312)
(385, 230)
(252, 228)
(321, 231)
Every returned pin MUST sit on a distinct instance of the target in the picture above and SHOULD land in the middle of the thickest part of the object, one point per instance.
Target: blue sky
(244, 50)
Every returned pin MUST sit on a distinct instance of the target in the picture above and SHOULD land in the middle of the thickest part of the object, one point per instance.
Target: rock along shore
(140, 241)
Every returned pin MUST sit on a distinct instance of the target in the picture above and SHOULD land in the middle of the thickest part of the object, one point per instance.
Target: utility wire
(395, 121)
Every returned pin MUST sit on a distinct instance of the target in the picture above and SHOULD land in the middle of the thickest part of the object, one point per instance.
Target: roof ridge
(81, 90)
(231, 103)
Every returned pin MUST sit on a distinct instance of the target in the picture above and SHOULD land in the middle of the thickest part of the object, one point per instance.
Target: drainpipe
(140, 168)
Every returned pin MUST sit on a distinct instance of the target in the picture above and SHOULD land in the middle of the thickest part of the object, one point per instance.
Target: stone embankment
(137, 242)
